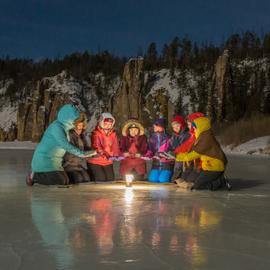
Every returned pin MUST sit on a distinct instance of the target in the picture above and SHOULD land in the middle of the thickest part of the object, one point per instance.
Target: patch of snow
(164, 81)
(258, 146)
(18, 145)
(4, 84)
(8, 117)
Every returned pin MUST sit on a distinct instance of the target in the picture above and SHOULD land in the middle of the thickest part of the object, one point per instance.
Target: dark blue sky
(51, 28)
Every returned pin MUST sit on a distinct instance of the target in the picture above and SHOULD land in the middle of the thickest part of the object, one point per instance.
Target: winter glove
(146, 158)
(149, 154)
(116, 158)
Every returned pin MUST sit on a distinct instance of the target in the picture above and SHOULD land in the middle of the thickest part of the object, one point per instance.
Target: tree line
(180, 53)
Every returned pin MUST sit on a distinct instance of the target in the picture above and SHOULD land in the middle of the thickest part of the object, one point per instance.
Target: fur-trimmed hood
(131, 123)
(104, 116)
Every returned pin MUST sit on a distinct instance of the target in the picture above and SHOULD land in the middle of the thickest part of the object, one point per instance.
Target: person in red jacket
(133, 146)
(105, 141)
(190, 170)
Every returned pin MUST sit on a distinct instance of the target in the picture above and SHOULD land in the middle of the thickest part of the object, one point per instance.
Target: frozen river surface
(147, 227)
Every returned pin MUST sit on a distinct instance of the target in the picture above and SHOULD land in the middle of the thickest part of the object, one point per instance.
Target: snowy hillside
(258, 146)
(8, 112)
(91, 96)
(186, 89)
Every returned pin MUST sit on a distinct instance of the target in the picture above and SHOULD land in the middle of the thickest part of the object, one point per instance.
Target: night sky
(54, 28)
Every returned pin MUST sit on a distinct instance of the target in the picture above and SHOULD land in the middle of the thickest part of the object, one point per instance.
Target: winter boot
(226, 183)
(29, 179)
(181, 183)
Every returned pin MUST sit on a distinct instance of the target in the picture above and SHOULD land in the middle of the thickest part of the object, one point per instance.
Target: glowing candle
(129, 179)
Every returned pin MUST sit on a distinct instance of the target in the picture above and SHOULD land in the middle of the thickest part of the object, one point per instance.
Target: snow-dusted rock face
(30, 115)
(227, 91)
(8, 113)
(128, 99)
(221, 91)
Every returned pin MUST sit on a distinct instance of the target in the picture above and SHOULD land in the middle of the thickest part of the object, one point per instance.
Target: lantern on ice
(129, 179)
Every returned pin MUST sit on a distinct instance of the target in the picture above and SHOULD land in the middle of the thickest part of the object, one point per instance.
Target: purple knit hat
(160, 122)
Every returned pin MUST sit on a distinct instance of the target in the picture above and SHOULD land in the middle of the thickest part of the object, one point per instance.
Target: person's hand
(138, 155)
(116, 158)
(126, 154)
(146, 158)
(89, 154)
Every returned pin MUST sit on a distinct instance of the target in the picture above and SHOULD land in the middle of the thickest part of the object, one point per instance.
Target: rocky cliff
(226, 91)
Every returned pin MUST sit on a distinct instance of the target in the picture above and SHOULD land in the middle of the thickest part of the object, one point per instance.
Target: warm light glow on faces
(176, 127)
(107, 125)
(133, 132)
(79, 128)
(158, 128)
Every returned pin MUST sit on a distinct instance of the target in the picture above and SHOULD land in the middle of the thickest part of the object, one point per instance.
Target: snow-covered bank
(18, 145)
(258, 146)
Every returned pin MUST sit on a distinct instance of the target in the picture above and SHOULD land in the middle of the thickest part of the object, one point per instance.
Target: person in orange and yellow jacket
(208, 150)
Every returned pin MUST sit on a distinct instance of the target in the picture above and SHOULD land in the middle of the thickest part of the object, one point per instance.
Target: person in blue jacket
(47, 160)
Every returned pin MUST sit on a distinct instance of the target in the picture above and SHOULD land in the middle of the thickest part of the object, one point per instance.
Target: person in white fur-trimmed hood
(105, 141)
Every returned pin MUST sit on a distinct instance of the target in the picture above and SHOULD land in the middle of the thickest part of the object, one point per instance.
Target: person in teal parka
(47, 160)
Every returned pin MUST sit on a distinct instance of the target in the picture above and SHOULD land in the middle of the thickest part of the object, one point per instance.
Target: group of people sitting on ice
(191, 157)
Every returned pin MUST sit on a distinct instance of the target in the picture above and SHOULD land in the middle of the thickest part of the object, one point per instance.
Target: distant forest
(178, 54)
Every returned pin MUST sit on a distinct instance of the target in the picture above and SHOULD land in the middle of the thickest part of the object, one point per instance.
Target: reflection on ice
(124, 220)
(129, 195)
(48, 218)
(147, 226)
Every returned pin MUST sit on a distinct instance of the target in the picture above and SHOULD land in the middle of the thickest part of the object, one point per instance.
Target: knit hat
(194, 116)
(180, 120)
(160, 122)
(108, 120)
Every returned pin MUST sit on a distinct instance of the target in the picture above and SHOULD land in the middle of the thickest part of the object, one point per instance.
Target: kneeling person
(47, 161)
(207, 149)
(75, 166)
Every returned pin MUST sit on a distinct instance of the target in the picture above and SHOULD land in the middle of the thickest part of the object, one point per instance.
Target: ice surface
(145, 227)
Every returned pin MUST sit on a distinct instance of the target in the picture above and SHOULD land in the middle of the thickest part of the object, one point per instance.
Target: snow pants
(101, 173)
(206, 178)
(78, 176)
(160, 176)
(51, 178)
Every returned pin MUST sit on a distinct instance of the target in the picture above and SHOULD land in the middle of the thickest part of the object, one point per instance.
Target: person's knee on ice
(165, 176)
(154, 176)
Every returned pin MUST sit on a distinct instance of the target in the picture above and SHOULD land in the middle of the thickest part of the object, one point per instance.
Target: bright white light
(129, 179)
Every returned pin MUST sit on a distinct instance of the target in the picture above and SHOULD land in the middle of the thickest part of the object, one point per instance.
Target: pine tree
(151, 57)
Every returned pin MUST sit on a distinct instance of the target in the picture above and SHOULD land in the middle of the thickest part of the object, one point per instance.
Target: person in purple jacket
(162, 168)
